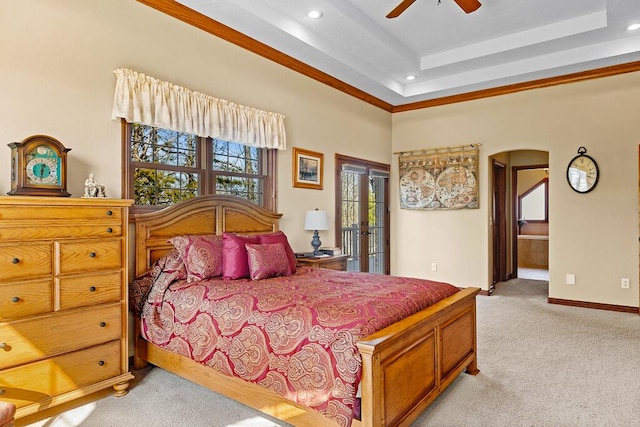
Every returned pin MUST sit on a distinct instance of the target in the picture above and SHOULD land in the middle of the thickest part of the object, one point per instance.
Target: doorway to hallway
(519, 216)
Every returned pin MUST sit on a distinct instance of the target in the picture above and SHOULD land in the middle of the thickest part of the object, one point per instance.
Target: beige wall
(594, 235)
(57, 79)
(57, 61)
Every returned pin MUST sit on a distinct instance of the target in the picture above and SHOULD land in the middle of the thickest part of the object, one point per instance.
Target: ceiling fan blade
(468, 5)
(400, 8)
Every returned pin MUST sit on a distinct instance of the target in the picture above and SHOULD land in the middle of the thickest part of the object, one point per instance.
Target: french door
(362, 213)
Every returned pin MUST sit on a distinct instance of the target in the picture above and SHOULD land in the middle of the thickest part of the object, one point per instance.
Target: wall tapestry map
(439, 178)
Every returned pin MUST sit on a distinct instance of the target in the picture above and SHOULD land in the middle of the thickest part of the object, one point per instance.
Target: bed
(404, 366)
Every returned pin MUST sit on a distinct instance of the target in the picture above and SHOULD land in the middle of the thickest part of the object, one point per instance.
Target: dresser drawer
(25, 299)
(336, 262)
(41, 380)
(90, 290)
(36, 231)
(28, 340)
(92, 255)
(64, 213)
(25, 261)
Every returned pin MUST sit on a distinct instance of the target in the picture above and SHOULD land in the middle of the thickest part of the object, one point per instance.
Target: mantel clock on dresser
(39, 167)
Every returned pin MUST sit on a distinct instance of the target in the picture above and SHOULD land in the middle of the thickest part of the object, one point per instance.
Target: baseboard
(596, 305)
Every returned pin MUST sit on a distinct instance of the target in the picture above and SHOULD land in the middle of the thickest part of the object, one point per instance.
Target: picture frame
(308, 168)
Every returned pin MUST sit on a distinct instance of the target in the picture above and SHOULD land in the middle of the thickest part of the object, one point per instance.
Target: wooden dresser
(63, 299)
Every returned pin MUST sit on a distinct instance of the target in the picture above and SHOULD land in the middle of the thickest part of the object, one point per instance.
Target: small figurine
(92, 188)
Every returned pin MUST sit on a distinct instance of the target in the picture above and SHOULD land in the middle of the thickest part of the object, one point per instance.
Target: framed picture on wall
(307, 169)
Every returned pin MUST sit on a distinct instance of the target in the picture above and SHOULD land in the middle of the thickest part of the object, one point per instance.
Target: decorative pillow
(171, 262)
(235, 263)
(202, 255)
(268, 260)
(280, 237)
(165, 271)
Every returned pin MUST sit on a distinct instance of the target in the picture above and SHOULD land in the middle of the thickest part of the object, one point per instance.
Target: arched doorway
(513, 237)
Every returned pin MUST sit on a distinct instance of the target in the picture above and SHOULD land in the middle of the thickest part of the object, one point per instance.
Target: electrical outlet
(434, 266)
(571, 279)
(625, 283)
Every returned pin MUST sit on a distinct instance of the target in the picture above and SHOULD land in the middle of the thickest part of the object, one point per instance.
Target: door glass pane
(376, 224)
(351, 218)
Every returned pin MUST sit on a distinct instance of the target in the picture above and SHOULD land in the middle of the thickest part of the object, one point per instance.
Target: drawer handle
(15, 260)
(103, 324)
(92, 289)
(2, 392)
(109, 213)
(4, 346)
(109, 230)
(15, 299)
(92, 255)
(101, 362)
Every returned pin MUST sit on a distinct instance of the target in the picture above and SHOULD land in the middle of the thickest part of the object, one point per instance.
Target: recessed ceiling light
(410, 77)
(633, 27)
(315, 14)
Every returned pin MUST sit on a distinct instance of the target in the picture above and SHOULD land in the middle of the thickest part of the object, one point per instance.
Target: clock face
(43, 166)
(582, 173)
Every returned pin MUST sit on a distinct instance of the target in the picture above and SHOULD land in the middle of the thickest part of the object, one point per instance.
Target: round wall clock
(582, 172)
(39, 167)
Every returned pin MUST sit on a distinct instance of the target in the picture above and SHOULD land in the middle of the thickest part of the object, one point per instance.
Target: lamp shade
(316, 220)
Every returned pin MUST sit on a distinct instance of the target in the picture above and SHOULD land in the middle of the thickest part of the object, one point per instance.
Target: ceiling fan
(466, 5)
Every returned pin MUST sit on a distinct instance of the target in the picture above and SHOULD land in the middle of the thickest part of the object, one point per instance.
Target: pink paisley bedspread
(295, 335)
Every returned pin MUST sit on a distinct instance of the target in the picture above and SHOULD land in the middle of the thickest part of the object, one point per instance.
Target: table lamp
(316, 220)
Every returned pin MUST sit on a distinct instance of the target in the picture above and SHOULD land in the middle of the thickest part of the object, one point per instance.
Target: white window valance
(142, 99)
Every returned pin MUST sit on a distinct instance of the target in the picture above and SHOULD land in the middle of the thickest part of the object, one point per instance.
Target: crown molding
(198, 20)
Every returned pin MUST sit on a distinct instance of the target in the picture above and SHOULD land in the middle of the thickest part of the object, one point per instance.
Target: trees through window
(165, 167)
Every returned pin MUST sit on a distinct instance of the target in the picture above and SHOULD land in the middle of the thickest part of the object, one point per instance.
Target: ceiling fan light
(633, 27)
(315, 14)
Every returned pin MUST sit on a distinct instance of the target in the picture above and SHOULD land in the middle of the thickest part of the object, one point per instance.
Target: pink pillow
(280, 237)
(202, 255)
(268, 260)
(235, 263)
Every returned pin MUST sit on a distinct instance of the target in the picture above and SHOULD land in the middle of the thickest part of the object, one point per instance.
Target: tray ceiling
(448, 52)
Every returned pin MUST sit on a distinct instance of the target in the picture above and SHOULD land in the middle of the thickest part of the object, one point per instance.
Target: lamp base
(315, 242)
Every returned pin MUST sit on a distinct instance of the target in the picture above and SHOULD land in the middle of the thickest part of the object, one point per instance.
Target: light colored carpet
(540, 365)
(545, 365)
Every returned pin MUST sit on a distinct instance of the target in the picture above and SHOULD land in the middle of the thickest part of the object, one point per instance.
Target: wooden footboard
(405, 367)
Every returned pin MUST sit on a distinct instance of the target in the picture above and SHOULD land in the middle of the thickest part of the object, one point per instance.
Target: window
(165, 167)
(238, 170)
(533, 203)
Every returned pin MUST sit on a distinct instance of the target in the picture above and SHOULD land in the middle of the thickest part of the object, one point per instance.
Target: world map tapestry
(439, 178)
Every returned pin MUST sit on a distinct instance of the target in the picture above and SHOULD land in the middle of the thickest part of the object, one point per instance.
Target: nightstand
(336, 262)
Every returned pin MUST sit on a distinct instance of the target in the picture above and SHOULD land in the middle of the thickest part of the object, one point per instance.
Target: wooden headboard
(213, 214)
